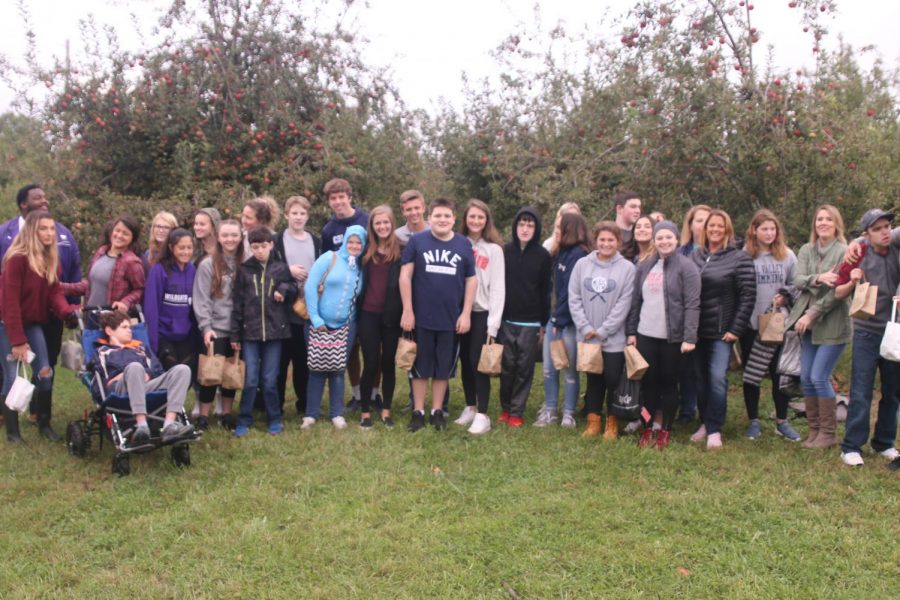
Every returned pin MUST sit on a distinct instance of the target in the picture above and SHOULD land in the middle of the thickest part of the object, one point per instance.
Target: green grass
(527, 513)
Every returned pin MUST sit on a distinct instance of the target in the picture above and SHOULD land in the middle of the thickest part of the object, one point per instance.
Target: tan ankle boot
(593, 426)
(612, 428)
(827, 425)
(812, 418)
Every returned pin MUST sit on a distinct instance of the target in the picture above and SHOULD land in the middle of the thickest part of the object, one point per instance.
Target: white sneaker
(339, 423)
(307, 423)
(890, 453)
(195, 412)
(699, 435)
(852, 459)
(217, 410)
(714, 441)
(467, 416)
(481, 423)
(545, 417)
(568, 420)
(633, 426)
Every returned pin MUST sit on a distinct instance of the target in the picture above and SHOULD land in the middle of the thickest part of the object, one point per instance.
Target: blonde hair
(751, 242)
(687, 236)
(296, 201)
(838, 223)
(729, 228)
(391, 247)
(43, 260)
(154, 248)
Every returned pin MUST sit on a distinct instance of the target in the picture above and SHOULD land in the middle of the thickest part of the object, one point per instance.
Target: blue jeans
(712, 377)
(37, 343)
(687, 386)
(817, 361)
(866, 358)
(263, 361)
(551, 375)
(315, 388)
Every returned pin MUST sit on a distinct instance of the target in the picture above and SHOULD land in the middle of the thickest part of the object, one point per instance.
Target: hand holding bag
(210, 368)
(590, 358)
(405, 357)
(491, 360)
(19, 396)
(864, 299)
(890, 343)
(771, 326)
(558, 355)
(233, 373)
(635, 364)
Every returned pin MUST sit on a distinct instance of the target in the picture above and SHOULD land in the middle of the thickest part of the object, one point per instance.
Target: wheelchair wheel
(181, 455)
(77, 439)
(121, 465)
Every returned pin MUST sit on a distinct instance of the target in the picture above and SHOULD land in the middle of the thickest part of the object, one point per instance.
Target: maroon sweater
(27, 299)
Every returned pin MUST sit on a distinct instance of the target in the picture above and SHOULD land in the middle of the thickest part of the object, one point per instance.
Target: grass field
(525, 513)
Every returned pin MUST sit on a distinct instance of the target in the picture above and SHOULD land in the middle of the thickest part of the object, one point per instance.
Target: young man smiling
(339, 196)
(412, 207)
(437, 286)
(878, 262)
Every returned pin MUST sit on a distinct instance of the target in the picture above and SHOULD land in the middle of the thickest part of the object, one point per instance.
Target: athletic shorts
(437, 353)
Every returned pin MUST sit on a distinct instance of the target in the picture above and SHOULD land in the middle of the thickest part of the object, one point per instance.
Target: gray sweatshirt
(600, 298)
(771, 276)
(213, 314)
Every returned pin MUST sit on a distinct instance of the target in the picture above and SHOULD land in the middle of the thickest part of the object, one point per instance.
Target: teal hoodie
(337, 304)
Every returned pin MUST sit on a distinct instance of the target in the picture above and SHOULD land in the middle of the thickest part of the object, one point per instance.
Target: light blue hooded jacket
(337, 304)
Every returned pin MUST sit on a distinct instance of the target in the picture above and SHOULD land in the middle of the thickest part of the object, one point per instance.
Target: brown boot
(593, 426)
(812, 418)
(827, 425)
(612, 428)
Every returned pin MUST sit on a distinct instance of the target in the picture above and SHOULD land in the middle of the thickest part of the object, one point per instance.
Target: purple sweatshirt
(168, 304)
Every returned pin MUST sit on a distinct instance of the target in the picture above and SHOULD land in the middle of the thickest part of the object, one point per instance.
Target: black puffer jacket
(728, 291)
(256, 316)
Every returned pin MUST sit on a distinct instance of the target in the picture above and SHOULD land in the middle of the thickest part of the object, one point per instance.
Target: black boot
(44, 402)
(11, 418)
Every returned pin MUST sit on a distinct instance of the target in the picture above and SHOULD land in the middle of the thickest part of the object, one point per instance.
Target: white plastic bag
(890, 343)
(19, 396)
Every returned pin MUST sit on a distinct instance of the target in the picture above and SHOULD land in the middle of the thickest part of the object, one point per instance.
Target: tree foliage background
(235, 99)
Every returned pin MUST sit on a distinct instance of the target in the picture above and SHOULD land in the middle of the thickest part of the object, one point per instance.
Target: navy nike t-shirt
(439, 278)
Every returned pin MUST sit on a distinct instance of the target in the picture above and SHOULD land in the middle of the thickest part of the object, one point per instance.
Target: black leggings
(379, 347)
(173, 353)
(207, 393)
(606, 384)
(660, 382)
(476, 386)
(751, 392)
(293, 352)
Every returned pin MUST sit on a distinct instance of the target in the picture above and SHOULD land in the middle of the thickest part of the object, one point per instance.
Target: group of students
(684, 297)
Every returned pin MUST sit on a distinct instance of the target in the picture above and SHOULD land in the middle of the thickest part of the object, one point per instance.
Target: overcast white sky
(428, 44)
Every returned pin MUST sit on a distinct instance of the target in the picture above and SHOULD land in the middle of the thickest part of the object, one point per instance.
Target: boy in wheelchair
(127, 368)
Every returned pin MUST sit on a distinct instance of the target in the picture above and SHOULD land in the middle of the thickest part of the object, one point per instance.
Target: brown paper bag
(491, 360)
(406, 353)
(864, 299)
(590, 358)
(299, 308)
(735, 363)
(635, 365)
(771, 327)
(558, 355)
(210, 367)
(233, 373)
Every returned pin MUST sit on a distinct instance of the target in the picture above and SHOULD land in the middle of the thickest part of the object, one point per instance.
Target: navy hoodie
(528, 272)
(333, 232)
(562, 270)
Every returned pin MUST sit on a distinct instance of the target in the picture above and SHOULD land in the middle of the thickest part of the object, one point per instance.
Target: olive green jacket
(831, 317)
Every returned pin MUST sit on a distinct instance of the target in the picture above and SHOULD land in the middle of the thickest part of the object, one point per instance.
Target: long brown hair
(651, 246)
(391, 250)
(573, 231)
(729, 227)
(220, 264)
(838, 223)
(687, 235)
(751, 243)
(489, 233)
(43, 260)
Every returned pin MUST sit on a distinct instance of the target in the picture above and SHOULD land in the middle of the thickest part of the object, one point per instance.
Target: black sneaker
(202, 423)
(366, 423)
(894, 465)
(379, 402)
(388, 422)
(416, 421)
(437, 420)
(140, 436)
(227, 422)
(353, 405)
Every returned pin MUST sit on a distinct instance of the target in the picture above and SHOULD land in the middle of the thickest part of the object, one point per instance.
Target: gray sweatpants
(175, 381)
